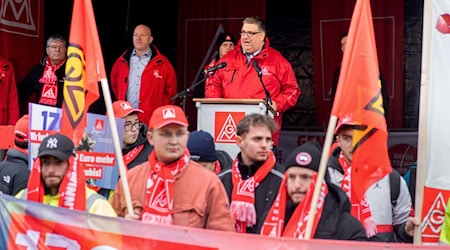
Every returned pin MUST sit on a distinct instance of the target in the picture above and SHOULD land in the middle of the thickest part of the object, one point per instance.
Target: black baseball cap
(57, 145)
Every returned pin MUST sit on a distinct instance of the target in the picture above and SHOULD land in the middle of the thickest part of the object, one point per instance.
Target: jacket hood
(333, 161)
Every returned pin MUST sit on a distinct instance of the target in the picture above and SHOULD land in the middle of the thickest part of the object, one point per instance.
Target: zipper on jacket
(232, 76)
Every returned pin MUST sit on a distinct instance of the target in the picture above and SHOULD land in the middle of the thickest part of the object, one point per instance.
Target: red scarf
(360, 208)
(130, 156)
(72, 191)
(49, 94)
(159, 189)
(274, 223)
(243, 194)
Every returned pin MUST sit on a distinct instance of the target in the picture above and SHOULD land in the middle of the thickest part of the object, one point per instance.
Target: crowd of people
(252, 193)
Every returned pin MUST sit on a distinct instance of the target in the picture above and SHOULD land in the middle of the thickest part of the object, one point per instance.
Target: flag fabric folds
(84, 69)
(358, 96)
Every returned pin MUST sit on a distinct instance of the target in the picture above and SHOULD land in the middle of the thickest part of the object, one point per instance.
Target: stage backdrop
(329, 19)
(21, 34)
(199, 23)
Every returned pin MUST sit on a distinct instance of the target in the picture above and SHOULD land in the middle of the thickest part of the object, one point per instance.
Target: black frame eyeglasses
(129, 126)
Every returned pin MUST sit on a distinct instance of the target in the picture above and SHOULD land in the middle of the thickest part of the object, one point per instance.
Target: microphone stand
(184, 92)
(268, 98)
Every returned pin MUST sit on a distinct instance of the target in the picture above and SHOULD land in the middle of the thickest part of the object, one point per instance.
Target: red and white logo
(433, 213)
(125, 106)
(49, 91)
(156, 74)
(99, 124)
(225, 126)
(169, 113)
(246, 187)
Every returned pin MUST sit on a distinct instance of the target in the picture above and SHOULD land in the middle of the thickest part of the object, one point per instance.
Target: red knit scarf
(49, 94)
(360, 208)
(296, 226)
(130, 156)
(243, 194)
(71, 192)
(159, 189)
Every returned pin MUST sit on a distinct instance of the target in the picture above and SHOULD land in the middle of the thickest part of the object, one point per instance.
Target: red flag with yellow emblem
(358, 95)
(84, 69)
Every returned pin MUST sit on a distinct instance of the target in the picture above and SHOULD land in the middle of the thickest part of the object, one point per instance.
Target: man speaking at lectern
(254, 70)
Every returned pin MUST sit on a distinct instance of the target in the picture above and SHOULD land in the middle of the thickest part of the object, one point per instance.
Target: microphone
(257, 68)
(218, 66)
(266, 91)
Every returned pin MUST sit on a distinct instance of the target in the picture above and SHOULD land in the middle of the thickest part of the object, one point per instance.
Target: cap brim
(128, 112)
(57, 154)
(165, 123)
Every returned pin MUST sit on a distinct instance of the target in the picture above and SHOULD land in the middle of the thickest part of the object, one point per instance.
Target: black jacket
(30, 85)
(143, 155)
(336, 221)
(265, 193)
(14, 172)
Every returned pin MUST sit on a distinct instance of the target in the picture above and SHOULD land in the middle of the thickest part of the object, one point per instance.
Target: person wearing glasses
(135, 146)
(241, 79)
(44, 83)
(46, 79)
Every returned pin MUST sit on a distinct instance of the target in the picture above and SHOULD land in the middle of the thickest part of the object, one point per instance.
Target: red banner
(30, 225)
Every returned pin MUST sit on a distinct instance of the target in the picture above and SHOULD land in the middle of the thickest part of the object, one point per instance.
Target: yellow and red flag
(84, 69)
(358, 95)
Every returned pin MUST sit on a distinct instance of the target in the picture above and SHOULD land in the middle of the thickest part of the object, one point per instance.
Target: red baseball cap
(346, 120)
(21, 129)
(166, 115)
(124, 108)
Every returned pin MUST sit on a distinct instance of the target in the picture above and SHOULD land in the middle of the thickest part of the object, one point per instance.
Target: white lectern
(219, 117)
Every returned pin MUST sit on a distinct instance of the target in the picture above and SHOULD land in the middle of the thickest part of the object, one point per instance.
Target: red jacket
(158, 82)
(240, 80)
(9, 100)
(199, 198)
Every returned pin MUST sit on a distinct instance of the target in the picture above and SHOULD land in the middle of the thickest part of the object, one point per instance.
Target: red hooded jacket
(240, 80)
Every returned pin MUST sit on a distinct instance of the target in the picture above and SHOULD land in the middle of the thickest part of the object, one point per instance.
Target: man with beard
(289, 213)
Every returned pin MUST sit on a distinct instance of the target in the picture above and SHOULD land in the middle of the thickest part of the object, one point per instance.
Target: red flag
(358, 95)
(84, 68)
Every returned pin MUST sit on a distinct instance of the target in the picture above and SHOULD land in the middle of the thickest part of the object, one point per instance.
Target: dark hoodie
(336, 221)
(141, 140)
